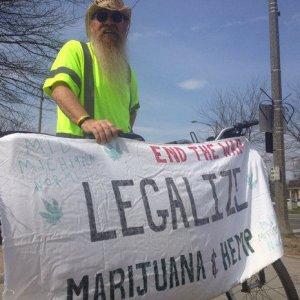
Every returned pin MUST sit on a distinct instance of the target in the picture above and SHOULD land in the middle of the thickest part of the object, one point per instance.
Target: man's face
(106, 25)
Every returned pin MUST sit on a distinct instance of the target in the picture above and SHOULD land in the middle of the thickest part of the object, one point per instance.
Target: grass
(295, 210)
(291, 246)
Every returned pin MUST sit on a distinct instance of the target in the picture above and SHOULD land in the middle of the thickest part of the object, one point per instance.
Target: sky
(185, 51)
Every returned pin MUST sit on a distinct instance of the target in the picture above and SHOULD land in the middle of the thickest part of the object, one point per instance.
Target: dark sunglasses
(102, 16)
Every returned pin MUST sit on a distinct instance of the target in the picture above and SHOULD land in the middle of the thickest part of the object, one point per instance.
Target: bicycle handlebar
(246, 124)
(236, 129)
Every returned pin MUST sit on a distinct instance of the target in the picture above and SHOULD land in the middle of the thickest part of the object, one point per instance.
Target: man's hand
(103, 130)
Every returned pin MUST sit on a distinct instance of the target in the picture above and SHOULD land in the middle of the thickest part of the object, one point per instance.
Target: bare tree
(240, 104)
(293, 131)
(294, 124)
(236, 105)
(30, 36)
(16, 122)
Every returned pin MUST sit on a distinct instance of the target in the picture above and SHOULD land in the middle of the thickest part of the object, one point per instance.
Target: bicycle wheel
(273, 282)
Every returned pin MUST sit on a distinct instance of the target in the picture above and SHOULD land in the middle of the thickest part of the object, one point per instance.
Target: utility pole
(278, 125)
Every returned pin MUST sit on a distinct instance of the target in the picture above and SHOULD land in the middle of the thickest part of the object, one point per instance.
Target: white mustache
(110, 28)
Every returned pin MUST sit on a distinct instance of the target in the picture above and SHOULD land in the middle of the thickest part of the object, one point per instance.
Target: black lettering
(164, 275)
(143, 266)
(217, 216)
(200, 266)
(173, 273)
(131, 282)
(83, 286)
(176, 203)
(232, 250)
(189, 269)
(197, 221)
(229, 209)
(248, 237)
(225, 256)
(161, 213)
(118, 285)
(101, 293)
(95, 236)
(127, 231)
(243, 243)
(244, 205)
(239, 242)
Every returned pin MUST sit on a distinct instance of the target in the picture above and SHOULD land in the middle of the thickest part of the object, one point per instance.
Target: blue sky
(184, 51)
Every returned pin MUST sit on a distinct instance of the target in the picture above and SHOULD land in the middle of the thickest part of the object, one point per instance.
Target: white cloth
(130, 218)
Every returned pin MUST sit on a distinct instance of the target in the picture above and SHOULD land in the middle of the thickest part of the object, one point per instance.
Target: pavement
(293, 266)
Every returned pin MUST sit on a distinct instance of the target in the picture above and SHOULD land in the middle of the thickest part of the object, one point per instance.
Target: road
(295, 222)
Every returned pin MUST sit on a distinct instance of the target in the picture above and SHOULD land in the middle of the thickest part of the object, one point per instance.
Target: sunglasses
(102, 16)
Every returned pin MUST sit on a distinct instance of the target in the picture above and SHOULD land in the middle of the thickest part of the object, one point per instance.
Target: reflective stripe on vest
(68, 71)
(88, 80)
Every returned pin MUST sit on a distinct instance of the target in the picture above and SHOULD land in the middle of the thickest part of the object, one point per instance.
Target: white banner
(132, 220)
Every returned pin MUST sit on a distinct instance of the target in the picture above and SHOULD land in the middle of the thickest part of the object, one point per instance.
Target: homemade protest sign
(132, 220)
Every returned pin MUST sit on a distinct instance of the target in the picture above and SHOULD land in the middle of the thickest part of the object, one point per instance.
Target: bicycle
(259, 286)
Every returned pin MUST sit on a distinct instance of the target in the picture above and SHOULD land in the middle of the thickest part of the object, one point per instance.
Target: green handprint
(54, 212)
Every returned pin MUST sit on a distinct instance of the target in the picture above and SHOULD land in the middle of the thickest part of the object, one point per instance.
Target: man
(93, 85)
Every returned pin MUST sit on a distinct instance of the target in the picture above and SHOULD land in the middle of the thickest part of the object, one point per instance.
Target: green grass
(294, 210)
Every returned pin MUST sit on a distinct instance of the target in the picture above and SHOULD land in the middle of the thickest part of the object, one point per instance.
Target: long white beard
(112, 58)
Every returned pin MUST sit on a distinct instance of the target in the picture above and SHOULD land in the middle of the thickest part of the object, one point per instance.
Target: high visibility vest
(77, 67)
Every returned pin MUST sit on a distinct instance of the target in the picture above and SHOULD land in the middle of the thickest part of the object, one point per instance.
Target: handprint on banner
(251, 182)
(54, 212)
(115, 153)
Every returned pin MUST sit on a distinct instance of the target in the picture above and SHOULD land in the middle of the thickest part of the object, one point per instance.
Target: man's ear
(91, 28)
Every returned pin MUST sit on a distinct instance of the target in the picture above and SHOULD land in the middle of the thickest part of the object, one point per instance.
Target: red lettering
(239, 145)
(210, 147)
(206, 152)
(233, 147)
(181, 153)
(226, 149)
(157, 154)
(171, 153)
(195, 150)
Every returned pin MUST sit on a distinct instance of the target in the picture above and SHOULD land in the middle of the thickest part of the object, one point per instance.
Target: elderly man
(92, 83)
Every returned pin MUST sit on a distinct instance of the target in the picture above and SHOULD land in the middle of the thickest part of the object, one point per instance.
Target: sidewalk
(292, 264)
